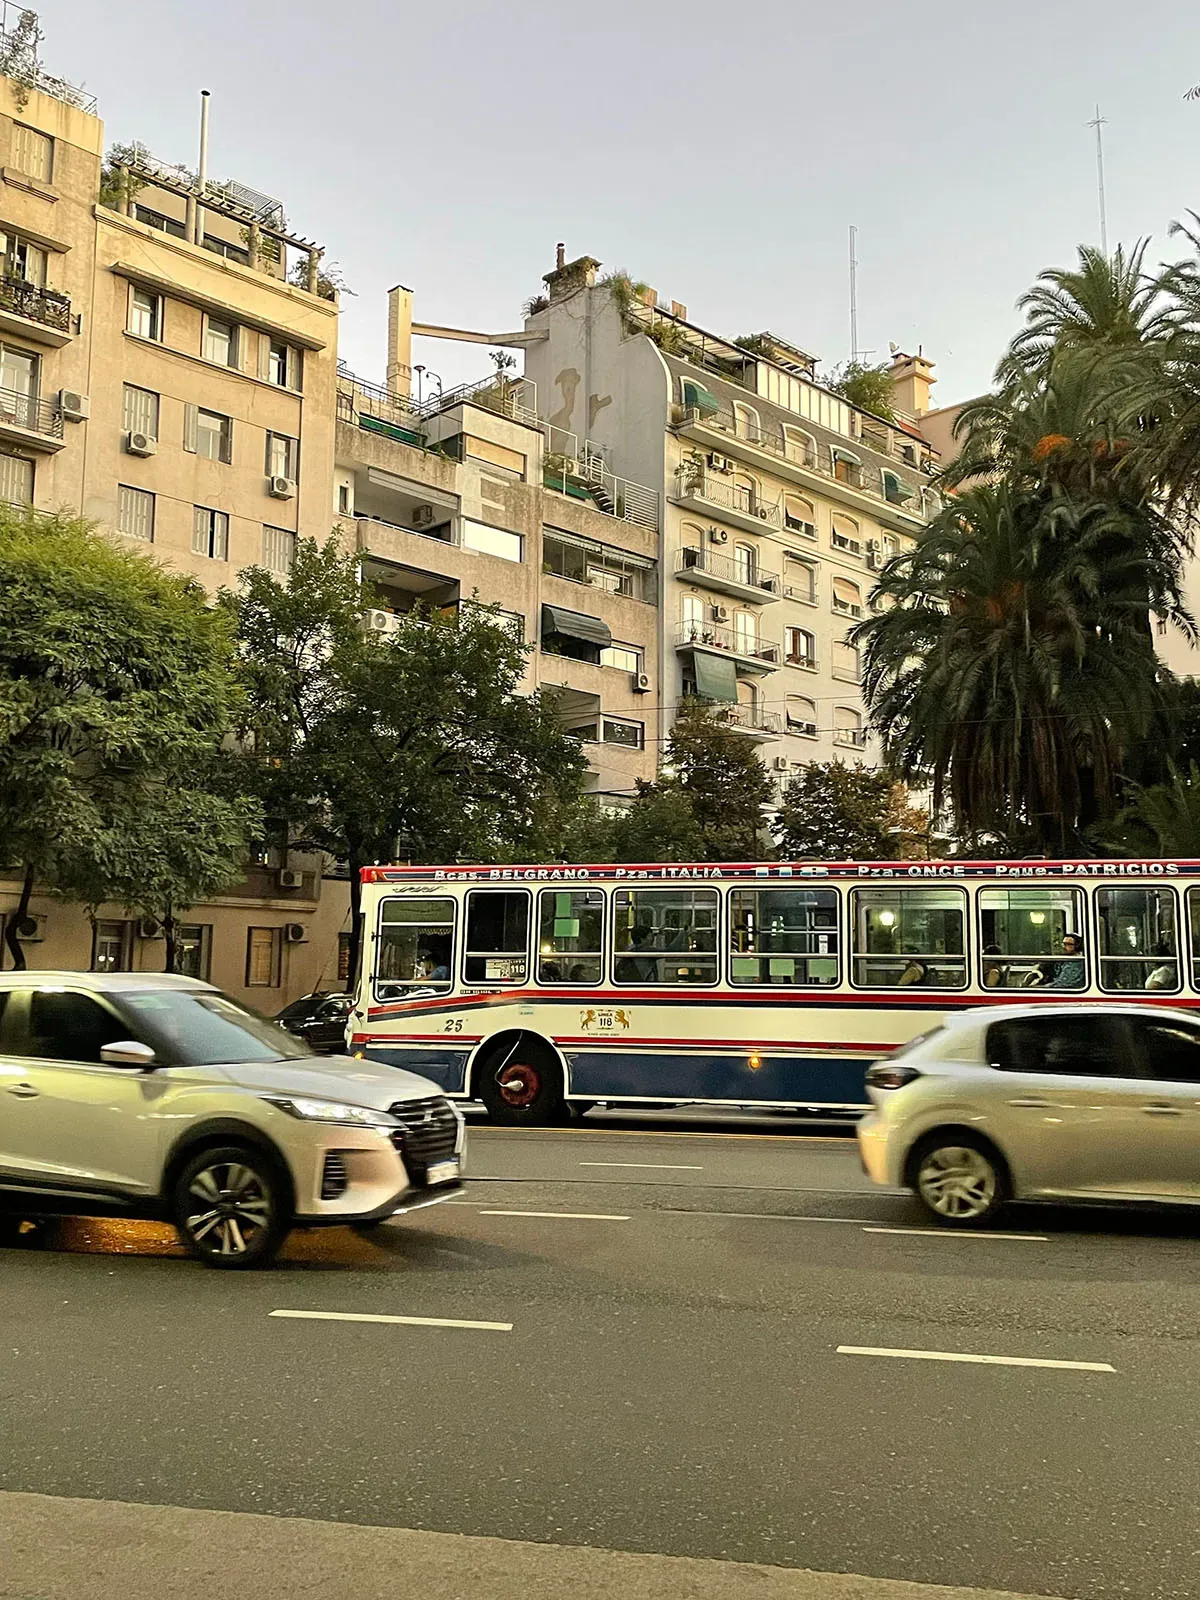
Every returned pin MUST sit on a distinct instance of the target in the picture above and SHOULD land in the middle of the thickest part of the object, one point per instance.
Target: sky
(719, 152)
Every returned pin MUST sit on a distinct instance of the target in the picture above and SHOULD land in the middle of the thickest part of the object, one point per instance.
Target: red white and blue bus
(545, 989)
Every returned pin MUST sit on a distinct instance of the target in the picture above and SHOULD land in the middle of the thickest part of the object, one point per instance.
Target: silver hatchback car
(145, 1095)
(1039, 1102)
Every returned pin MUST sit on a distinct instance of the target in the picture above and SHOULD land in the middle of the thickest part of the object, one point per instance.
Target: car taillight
(890, 1075)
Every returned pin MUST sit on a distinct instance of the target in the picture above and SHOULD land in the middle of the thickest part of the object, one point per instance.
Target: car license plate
(441, 1172)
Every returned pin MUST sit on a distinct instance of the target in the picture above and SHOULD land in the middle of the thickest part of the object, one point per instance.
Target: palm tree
(1164, 819)
(1009, 664)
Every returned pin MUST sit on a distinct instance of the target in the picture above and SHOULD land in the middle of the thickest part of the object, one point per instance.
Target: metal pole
(202, 174)
(1098, 123)
(853, 296)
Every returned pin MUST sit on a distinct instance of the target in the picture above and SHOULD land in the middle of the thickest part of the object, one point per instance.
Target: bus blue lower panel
(812, 1080)
(446, 1068)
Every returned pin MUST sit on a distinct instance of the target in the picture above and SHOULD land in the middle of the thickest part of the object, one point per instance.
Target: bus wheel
(522, 1087)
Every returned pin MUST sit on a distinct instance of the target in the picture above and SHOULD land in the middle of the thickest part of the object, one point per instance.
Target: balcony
(853, 738)
(725, 575)
(24, 419)
(747, 651)
(700, 491)
(37, 314)
(846, 608)
(758, 726)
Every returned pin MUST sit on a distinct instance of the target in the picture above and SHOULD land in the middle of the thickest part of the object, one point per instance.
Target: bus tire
(521, 1084)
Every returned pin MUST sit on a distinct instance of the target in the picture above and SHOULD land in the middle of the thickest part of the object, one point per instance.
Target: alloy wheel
(232, 1208)
(958, 1182)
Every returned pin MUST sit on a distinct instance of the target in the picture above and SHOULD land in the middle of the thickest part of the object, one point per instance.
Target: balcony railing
(751, 719)
(27, 411)
(52, 310)
(694, 482)
(855, 737)
(714, 636)
(727, 569)
(847, 608)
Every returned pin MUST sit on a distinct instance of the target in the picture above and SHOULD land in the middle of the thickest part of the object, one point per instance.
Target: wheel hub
(519, 1085)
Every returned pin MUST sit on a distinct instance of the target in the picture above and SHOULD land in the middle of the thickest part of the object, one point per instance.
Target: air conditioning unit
(780, 763)
(423, 516)
(140, 444)
(295, 933)
(74, 406)
(720, 613)
(719, 463)
(764, 513)
(149, 928)
(30, 929)
(280, 488)
(875, 557)
(641, 683)
(718, 535)
(381, 621)
(289, 878)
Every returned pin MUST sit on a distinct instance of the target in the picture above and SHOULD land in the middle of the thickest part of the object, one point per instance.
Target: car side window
(333, 1011)
(70, 1027)
(1081, 1046)
(1170, 1050)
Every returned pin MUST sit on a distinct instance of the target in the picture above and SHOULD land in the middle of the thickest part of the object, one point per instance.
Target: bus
(544, 990)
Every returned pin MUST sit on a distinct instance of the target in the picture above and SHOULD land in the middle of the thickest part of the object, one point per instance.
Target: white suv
(147, 1095)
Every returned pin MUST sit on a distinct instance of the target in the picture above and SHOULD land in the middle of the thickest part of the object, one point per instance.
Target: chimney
(912, 379)
(569, 276)
(399, 363)
(560, 257)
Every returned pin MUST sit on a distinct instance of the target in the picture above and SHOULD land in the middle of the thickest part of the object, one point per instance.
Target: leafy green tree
(115, 689)
(660, 825)
(870, 388)
(834, 812)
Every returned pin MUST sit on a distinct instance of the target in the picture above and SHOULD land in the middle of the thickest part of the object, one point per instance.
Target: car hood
(342, 1078)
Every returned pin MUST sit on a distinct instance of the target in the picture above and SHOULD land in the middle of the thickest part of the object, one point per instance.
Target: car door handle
(1032, 1104)
(1163, 1111)
(23, 1091)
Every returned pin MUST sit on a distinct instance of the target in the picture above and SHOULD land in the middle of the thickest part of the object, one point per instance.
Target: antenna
(1098, 122)
(853, 296)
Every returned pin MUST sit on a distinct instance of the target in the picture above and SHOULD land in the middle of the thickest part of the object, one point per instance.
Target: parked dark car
(320, 1020)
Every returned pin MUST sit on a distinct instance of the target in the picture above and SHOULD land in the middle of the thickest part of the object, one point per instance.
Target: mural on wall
(596, 404)
(567, 383)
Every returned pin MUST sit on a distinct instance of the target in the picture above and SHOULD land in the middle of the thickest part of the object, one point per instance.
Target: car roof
(101, 982)
(984, 1016)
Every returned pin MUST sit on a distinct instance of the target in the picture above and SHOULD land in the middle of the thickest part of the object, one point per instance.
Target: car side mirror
(128, 1053)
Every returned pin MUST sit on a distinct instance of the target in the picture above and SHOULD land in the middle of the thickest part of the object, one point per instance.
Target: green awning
(575, 625)
(846, 455)
(700, 399)
(716, 678)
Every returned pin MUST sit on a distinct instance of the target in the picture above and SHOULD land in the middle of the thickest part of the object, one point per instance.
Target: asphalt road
(640, 1339)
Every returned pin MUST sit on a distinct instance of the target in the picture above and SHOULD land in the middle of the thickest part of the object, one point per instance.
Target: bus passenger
(915, 972)
(634, 969)
(1163, 976)
(993, 972)
(1068, 973)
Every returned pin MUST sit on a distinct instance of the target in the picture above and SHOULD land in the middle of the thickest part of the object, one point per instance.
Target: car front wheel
(959, 1180)
(230, 1206)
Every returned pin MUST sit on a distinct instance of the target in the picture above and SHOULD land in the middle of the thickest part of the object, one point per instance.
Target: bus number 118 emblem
(603, 1019)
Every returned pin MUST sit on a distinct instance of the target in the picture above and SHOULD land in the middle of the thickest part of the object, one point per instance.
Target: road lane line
(657, 1166)
(761, 1216)
(600, 1131)
(982, 1361)
(953, 1233)
(574, 1216)
(413, 1322)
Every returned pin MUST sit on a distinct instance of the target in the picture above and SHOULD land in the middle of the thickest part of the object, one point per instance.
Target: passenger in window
(433, 964)
(631, 969)
(1068, 973)
(1163, 975)
(915, 972)
(993, 972)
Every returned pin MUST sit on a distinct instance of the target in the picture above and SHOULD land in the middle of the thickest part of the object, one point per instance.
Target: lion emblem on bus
(603, 1019)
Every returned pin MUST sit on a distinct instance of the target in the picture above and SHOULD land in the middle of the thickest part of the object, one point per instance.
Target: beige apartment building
(160, 374)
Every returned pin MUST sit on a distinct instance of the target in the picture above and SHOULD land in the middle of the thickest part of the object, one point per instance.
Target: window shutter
(200, 530)
(189, 427)
(264, 356)
(295, 368)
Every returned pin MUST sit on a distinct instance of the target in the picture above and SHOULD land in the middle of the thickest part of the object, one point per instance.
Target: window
(895, 490)
(283, 365)
(415, 946)
(799, 580)
(1030, 938)
(745, 563)
(194, 940)
(210, 533)
(135, 512)
(497, 936)
(155, 219)
(745, 422)
(665, 936)
(570, 936)
(1079, 1046)
(282, 456)
(208, 433)
(71, 1027)
(344, 499)
(1170, 1050)
(799, 516)
(693, 613)
(491, 541)
(845, 536)
(845, 661)
(19, 374)
(16, 480)
(745, 632)
(145, 314)
(847, 598)
(847, 727)
(801, 716)
(279, 549)
(1138, 944)
(625, 657)
(112, 946)
(220, 342)
(800, 446)
(801, 648)
(847, 468)
(783, 936)
(744, 493)
(25, 261)
(909, 938)
(140, 413)
(32, 152)
(264, 958)
(618, 731)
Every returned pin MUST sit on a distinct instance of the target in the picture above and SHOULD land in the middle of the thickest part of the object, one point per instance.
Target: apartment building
(473, 497)
(160, 374)
(780, 500)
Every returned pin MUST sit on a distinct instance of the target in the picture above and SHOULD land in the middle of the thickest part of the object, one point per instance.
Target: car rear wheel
(230, 1206)
(959, 1180)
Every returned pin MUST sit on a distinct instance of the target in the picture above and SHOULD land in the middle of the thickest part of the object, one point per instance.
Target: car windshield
(200, 1028)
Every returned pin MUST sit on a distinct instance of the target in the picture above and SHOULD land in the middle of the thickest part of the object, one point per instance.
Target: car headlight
(332, 1111)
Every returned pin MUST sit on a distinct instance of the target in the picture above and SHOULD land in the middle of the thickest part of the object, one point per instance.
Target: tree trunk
(171, 936)
(356, 919)
(15, 920)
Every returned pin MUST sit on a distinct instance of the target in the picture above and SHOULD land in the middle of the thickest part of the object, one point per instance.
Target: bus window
(415, 948)
(781, 936)
(1193, 900)
(1138, 947)
(909, 938)
(665, 935)
(1031, 938)
(570, 936)
(497, 936)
